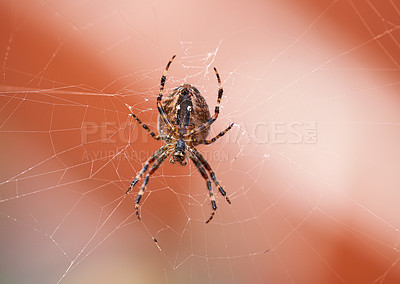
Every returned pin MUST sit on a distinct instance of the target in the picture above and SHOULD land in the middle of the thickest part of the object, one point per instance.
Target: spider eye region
(179, 153)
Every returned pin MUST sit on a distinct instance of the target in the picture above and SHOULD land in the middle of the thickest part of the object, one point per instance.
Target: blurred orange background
(311, 166)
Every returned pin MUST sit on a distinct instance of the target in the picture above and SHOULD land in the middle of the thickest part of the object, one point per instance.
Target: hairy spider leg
(222, 133)
(152, 134)
(146, 165)
(216, 111)
(210, 171)
(153, 168)
(159, 98)
(203, 173)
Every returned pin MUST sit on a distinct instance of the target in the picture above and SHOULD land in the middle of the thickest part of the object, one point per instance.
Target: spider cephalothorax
(179, 155)
(183, 123)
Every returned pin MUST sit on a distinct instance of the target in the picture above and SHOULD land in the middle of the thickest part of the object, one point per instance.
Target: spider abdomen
(185, 108)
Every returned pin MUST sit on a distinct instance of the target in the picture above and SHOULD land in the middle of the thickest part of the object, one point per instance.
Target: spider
(183, 123)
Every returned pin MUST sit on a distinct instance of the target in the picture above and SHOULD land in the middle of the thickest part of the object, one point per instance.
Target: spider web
(311, 166)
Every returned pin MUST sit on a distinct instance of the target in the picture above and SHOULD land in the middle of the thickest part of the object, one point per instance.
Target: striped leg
(216, 112)
(152, 134)
(146, 165)
(153, 168)
(203, 173)
(222, 133)
(211, 172)
(159, 98)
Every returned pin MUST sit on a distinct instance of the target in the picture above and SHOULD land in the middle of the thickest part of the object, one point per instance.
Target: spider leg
(222, 133)
(203, 173)
(152, 134)
(153, 168)
(210, 171)
(159, 98)
(216, 111)
(146, 165)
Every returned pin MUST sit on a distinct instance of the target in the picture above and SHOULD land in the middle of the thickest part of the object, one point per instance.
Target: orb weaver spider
(183, 123)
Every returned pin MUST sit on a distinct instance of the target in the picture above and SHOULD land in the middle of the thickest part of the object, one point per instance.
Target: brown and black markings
(184, 122)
